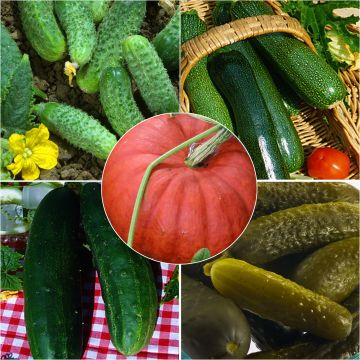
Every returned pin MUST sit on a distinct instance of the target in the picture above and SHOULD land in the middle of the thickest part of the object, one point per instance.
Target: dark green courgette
(308, 74)
(52, 288)
(126, 278)
(234, 77)
(296, 230)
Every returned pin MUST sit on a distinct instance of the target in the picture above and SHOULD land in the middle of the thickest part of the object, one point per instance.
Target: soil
(74, 164)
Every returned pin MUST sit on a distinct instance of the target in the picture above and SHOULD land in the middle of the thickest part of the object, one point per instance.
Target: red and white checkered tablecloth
(163, 345)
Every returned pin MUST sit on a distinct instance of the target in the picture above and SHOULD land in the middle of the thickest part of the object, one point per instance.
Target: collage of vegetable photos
(180, 179)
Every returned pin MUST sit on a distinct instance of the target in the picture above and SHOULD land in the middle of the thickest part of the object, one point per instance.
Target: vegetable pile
(254, 86)
(100, 38)
(294, 274)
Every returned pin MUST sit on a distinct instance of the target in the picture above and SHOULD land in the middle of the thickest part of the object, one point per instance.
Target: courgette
(234, 77)
(203, 96)
(126, 278)
(265, 293)
(296, 230)
(212, 327)
(308, 74)
(117, 99)
(52, 288)
(123, 19)
(42, 30)
(150, 75)
(332, 270)
(167, 43)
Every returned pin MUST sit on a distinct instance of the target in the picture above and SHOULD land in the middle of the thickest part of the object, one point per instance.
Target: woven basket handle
(220, 36)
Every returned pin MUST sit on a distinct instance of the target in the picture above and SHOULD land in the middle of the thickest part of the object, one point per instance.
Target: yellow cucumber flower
(32, 151)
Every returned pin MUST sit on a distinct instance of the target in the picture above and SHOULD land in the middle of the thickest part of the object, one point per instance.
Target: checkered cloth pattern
(163, 345)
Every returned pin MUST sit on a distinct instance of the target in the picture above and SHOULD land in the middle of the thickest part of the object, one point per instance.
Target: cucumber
(296, 230)
(274, 196)
(123, 19)
(167, 43)
(203, 96)
(221, 12)
(126, 278)
(9, 61)
(150, 75)
(42, 30)
(308, 74)
(77, 127)
(265, 293)
(52, 287)
(98, 9)
(332, 271)
(76, 20)
(117, 99)
(212, 327)
(234, 77)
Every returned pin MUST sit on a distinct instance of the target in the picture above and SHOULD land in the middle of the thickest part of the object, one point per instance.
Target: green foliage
(10, 265)
(172, 287)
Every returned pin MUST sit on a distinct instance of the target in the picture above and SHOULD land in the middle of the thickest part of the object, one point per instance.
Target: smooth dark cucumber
(332, 270)
(126, 278)
(275, 298)
(233, 75)
(52, 288)
(308, 74)
(296, 230)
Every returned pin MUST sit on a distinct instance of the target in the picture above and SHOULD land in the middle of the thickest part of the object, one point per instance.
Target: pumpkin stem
(206, 149)
(150, 168)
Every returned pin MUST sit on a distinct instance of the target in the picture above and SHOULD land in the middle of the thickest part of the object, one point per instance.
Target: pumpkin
(184, 209)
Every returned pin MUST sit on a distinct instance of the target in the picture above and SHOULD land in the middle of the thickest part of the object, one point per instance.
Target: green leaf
(201, 255)
(172, 287)
(10, 264)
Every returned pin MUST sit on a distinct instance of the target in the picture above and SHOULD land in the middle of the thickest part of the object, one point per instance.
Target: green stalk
(150, 168)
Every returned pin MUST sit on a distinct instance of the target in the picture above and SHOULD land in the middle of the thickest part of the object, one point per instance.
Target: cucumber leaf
(10, 265)
(202, 254)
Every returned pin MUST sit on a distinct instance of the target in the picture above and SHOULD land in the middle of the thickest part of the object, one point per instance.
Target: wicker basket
(338, 127)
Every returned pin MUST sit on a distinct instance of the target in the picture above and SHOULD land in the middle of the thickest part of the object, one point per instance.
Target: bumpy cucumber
(126, 278)
(41, 29)
(213, 327)
(75, 18)
(77, 127)
(332, 271)
(150, 75)
(16, 107)
(52, 287)
(203, 96)
(275, 298)
(98, 9)
(296, 230)
(117, 99)
(167, 43)
(274, 196)
(221, 12)
(10, 59)
(308, 74)
(123, 19)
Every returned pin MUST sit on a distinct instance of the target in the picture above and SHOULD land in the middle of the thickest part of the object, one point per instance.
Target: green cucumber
(123, 19)
(234, 77)
(221, 12)
(52, 287)
(75, 19)
(77, 127)
(266, 293)
(126, 278)
(274, 196)
(150, 75)
(296, 230)
(167, 43)
(332, 271)
(9, 61)
(213, 327)
(117, 99)
(308, 74)
(204, 98)
(42, 30)
(98, 9)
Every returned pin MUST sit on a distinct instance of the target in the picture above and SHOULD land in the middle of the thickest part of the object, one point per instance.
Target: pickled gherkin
(296, 230)
(275, 298)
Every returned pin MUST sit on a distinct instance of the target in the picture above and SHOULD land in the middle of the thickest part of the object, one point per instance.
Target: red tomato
(328, 163)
